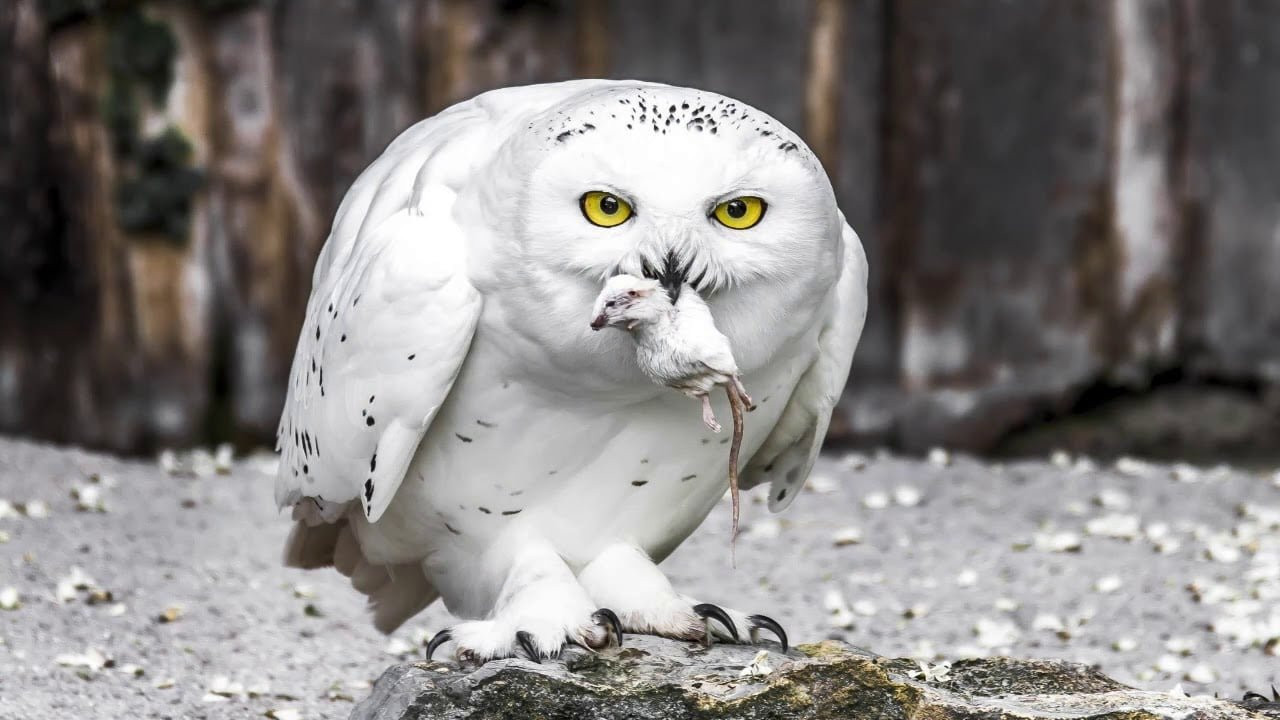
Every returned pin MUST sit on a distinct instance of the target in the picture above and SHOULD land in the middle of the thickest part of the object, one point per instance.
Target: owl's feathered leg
(623, 578)
(540, 609)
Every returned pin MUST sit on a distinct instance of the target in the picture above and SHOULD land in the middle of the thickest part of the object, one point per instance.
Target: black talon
(525, 641)
(437, 640)
(707, 610)
(605, 616)
(764, 621)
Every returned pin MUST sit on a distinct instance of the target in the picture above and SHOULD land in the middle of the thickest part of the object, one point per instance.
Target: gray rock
(656, 678)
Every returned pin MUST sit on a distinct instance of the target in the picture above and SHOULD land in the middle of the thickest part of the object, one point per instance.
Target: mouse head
(627, 301)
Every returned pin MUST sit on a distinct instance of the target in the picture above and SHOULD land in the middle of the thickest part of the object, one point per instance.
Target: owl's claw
(437, 640)
(612, 626)
(709, 612)
(764, 622)
(525, 640)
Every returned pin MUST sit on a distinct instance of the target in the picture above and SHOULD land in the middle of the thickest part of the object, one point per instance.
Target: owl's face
(678, 185)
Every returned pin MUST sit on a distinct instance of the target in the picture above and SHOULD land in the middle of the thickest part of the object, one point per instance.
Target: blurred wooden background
(1059, 198)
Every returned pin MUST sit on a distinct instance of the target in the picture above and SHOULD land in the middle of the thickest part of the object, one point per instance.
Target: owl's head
(672, 184)
(675, 184)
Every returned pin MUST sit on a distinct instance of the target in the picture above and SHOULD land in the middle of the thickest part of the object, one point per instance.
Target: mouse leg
(708, 415)
(742, 389)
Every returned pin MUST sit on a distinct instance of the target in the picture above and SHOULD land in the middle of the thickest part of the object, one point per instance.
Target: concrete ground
(145, 593)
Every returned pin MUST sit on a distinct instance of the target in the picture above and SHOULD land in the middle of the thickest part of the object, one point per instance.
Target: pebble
(1048, 622)
(399, 646)
(1112, 499)
(1124, 644)
(906, 496)
(284, 714)
(88, 498)
(1004, 604)
(1060, 459)
(9, 599)
(876, 501)
(864, 607)
(939, 457)
(765, 529)
(1202, 674)
(92, 659)
(846, 536)
(995, 633)
(1115, 525)
(1064, 541)
(1169, 664)
(224, 459)
(822, 484)
(967, 578)
(7, 510)
(1184, 473)
(1136, 468)
(1108, 584)
(36, 509)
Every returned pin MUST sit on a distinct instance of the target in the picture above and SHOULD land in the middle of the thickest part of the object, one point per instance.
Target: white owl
(455, 430)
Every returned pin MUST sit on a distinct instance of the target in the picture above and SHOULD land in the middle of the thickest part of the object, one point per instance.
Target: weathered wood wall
(1052, 193)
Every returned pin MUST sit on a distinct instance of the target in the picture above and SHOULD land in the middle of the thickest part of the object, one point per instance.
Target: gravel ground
(1156, 574)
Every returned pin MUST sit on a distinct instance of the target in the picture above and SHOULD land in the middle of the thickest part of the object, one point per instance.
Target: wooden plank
(758, 55)
(1231, 251)
(999, 209)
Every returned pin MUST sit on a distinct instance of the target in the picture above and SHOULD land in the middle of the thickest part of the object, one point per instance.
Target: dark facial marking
(639, 483)
(462, 437)
(368, 490)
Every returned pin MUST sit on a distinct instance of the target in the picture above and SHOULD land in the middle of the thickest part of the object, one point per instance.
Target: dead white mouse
(679, 346)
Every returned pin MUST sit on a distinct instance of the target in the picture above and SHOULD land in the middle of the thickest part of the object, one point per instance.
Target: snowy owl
(454, 429)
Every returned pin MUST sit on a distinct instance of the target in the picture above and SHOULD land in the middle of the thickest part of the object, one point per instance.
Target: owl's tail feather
(396, 592)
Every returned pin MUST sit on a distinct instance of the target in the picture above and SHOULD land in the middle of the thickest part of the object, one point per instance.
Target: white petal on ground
(758, 667)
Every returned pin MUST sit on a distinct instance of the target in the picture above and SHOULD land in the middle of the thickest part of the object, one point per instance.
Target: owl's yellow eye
(740, 213)
(604, 209)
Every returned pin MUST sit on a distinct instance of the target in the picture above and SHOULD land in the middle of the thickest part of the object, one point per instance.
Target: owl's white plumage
(463, 434)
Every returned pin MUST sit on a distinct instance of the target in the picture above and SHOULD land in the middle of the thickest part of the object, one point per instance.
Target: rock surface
(656, 678)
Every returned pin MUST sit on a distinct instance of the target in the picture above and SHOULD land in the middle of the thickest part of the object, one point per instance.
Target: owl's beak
(599, 322)
(673, 275)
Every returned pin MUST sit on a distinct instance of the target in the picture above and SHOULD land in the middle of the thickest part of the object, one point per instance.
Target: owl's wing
(788, 453)
(387, 328)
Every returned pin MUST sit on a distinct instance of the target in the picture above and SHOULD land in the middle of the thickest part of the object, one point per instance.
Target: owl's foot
(480, 641)
(627, 581)
(540, 609)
